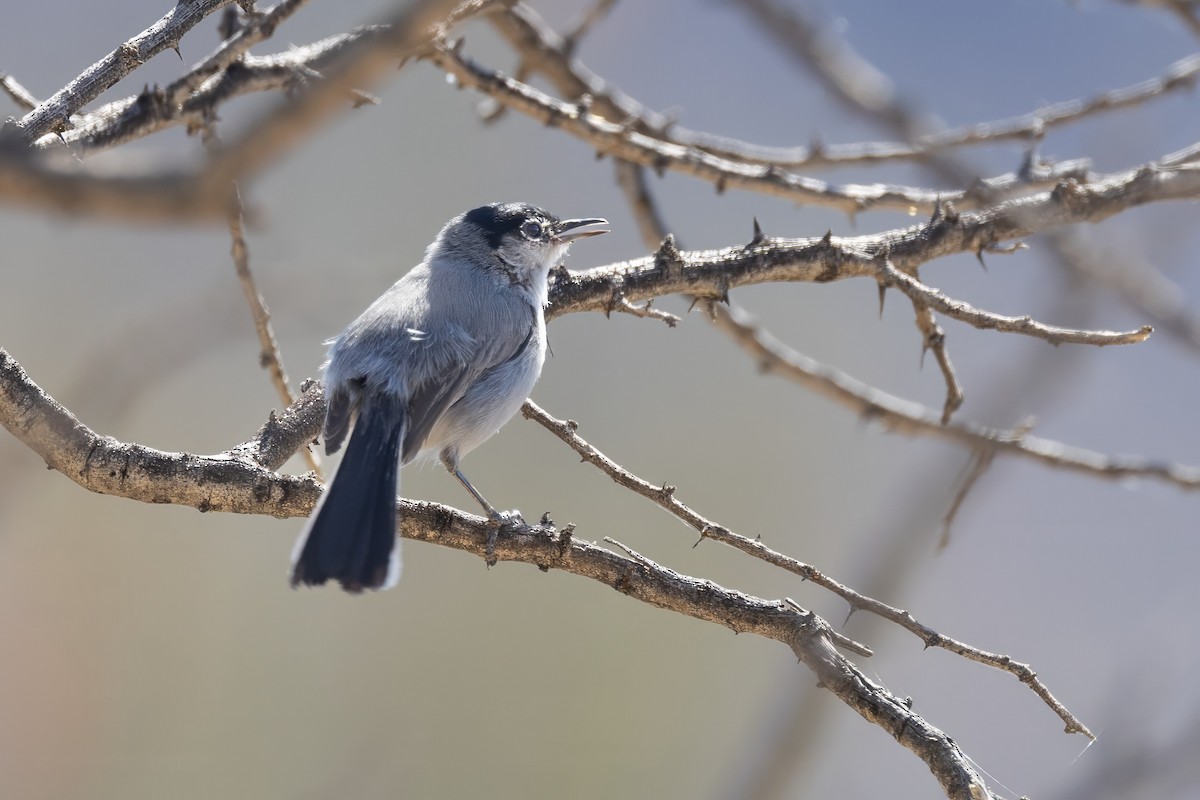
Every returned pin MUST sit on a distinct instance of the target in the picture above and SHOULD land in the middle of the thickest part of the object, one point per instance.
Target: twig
(903, 416)
(544, 51)
(894, 413)
(864, 89)
(52, 116)
(204, 193)
(986, 320)
(664, 497)
(933, 339)
(645, 311)
(19, 94)
(828, 258)
(619, 141)
(269, 357)
(980, 461)
(131, 118)
(232, 481)
(255, 28)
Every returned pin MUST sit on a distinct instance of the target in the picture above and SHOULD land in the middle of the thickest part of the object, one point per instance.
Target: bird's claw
(496, 521)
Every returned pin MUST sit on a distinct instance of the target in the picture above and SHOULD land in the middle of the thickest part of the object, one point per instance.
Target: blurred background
(150, 651)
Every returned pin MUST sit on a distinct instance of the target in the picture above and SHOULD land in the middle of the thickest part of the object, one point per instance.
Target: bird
(434, 367)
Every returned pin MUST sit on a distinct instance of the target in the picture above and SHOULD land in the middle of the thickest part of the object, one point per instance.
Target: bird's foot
(496, 521)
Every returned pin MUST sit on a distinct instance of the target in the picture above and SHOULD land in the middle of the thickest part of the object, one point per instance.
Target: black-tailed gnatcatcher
(434, 366)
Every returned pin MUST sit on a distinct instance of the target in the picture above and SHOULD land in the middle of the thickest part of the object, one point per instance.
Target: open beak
(569, 229)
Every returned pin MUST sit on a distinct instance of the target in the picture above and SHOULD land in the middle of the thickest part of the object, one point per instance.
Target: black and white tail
(351, 535)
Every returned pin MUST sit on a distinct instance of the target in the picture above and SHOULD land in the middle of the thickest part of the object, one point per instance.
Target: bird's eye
(532, 230)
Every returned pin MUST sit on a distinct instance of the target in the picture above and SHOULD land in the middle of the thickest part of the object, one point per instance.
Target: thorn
(176, 49)
(827, 239)
(979, 255)
(938, 214)
(849, 614)
(1028, 162)
(882, 296)
(924, 350)
(758, 234)
(720, 185)
(667, 258)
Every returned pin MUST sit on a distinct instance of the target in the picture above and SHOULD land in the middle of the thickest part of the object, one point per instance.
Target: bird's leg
(493, 514)
(497, 518)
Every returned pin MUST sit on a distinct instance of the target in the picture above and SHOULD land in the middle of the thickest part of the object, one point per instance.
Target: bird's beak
(568, 229)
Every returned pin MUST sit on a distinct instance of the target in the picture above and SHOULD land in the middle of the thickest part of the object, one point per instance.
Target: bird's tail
(351, 535)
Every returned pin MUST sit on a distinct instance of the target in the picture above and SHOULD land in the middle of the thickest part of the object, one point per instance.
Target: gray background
(151, 651)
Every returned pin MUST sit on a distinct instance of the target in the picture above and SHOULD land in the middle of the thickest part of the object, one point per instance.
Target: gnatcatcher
(434, 366)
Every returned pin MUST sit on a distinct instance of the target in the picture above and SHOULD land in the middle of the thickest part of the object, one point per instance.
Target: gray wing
(339, 413)
(429, 402)
(429, 357)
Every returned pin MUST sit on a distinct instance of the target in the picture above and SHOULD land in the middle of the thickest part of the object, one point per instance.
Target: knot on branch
(1070, 194)
(667, 258)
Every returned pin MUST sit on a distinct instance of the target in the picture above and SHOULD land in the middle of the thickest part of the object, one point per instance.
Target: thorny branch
(543, 51)
(956, 309)
(269, 357)
(242, 480)
(53, 115)
(665, 497)
(903, 416)
(322, 76)
(204, 193)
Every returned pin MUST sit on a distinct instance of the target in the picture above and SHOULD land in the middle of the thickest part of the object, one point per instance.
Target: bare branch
(933, 339)
(828, 258)
(141, 115)
(205, 193)
(664, 497)
(53, 115)
(903, 416)
(18, 93)
(619, 141)
(929, 297)
(542, 50)
(255, 28)
(269, 357)
(234, 482)
(980, 461)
